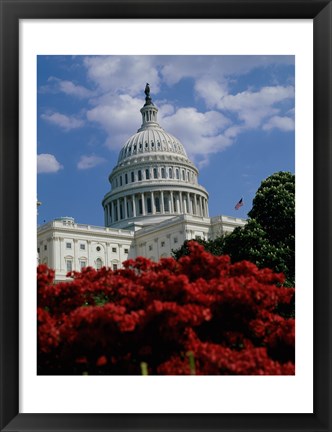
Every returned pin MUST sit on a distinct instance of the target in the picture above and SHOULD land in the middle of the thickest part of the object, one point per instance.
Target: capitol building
(155, 203)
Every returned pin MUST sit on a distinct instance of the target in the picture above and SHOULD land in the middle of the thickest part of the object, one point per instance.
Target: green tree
(268, 239)
(215, 247)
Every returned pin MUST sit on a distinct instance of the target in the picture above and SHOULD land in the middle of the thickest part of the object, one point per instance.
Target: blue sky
(233, 114)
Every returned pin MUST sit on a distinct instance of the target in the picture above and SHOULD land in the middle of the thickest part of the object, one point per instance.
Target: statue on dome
(148, 100)
(147, 90)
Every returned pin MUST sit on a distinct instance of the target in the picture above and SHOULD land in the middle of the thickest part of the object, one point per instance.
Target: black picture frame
(11, 12)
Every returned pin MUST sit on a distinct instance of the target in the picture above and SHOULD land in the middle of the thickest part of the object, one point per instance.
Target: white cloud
(201, 133)
(72, 89)
(47, 163)
(120, 82)
(56, 85)
(65, 122)
(285, 124)
(123, 74)
(119, 116)
(252, 107)
(87, 162)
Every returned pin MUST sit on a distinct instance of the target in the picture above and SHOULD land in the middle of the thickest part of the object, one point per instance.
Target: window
(157, 203)
(82, 264)
(155, 173)
(162, 244)
(139, 175)
(126, 251)
(149, 206)
(82, 246)
(132, 177)
(115, 267)
(68, 245)
(147, 174)
(38, 250)
(114, 249)
(163, 173)
(175, 240)
(69, 265)
(126, 178)
(120, 180)
(98, 248)
(45, 247)
(183, 175)
(99, 263)
(166, 206)
(150, 247)
(177, 174)
(170, 173)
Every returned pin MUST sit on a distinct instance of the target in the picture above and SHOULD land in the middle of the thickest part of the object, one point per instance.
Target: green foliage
(215, 247)
(268, 239)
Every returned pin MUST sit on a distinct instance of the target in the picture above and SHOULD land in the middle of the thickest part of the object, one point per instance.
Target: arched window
(139, 175)
(163, 173)
(99, 263)
(170, 173)
(177, 174)
(155, 173)
(132, 177)
(147, 174)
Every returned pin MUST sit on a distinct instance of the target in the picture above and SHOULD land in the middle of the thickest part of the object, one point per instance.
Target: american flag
(239, 204)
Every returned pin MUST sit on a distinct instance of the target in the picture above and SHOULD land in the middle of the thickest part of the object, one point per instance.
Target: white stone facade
(154, 205)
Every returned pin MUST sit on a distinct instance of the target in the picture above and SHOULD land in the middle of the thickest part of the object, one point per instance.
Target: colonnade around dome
(155, 203)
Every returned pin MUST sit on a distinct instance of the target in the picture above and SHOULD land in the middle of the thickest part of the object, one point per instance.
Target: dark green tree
(215, 247)
(268, 239)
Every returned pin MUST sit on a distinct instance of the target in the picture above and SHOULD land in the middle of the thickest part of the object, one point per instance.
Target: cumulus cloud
(65, 122)
(87, 162)
(118, 83)
(123, 74)
(285, 124)
(56, 85)
(47, 163)
(119, 116)
(252, 107)
(201, 133)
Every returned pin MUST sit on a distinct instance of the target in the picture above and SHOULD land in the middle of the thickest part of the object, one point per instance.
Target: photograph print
(166, 215)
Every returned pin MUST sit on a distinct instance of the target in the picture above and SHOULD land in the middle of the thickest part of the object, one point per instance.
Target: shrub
(199, 314)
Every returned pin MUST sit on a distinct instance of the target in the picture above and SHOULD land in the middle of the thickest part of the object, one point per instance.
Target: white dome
(153, 180)
(151, 140)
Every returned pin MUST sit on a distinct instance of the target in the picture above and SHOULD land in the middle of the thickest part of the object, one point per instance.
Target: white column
(190, 206)
(143, 204)
(195, 204)
(200, 206)
(134, 205)
(207, 208)
(153, 203)
(118, 206)
(125, 208)
(113, 211)
(162, 202)
(108, 215)
(75, 266)
(172, 203)
(181, 203)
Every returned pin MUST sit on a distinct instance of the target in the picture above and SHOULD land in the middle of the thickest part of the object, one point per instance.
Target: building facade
(155, 203)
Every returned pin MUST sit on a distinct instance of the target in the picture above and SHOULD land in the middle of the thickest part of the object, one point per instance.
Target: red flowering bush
(200, 314)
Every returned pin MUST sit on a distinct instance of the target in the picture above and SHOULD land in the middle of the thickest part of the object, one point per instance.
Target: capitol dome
(153, 180)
